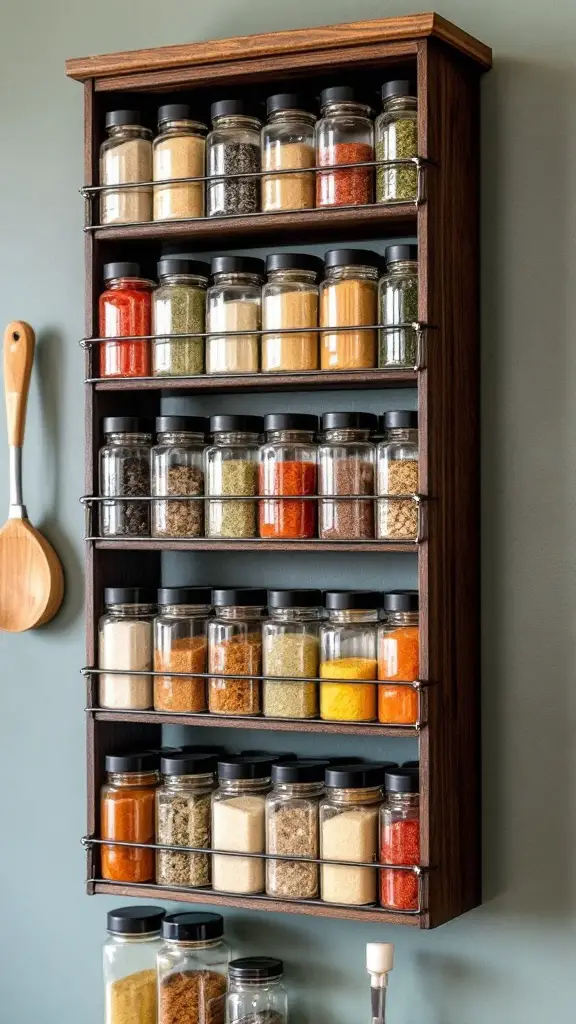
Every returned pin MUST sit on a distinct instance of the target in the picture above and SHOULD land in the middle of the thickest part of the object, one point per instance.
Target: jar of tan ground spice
(178, 471)
(183, 816)
(397, 472)
(289, 302)
(291, 650)
(238, 823)
(349, 298)
(292, 828)
(288, 142)
(233, 304)
(179, 151)
(125, 648)
(231, 471)
(349, 832)
(181, 645)
(192, 969)
(129, 961)
(235, 646)
(125, 158)
(346, 460)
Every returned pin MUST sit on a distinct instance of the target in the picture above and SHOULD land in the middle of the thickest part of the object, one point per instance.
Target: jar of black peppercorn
(233, 147)
(125, 474)
(178, 471)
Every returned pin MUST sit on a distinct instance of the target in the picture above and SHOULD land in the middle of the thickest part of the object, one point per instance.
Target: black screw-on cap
(396, 253)
(351, 776)
(244, 597)
(126, 425)
(291, 101)
(290, 421)
(182, 424)
(135, 920)
(299, 771)
(227, 108)
(340, 600)
(255, 968)
(349, 421)
(265, 755)
(181, 763)
(176, 112)
(402, 780)
(115, 118)
(402, 601)
(182, 265)
(192, 927)
(294, 261)
(342, 94)
(294, 598)
(353, 257)
(243, 424)
(399, 87)
(239, 767)
(112, 271)
(129, 595)
(237, 265)
(400, 419)
(144, 761)
(185, 595)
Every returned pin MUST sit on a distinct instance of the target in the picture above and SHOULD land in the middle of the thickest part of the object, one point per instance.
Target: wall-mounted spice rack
(447, 65)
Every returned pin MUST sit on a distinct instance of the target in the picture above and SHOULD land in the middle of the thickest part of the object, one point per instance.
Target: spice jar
(179, 308)
(125, 311)
(396, 131)
(125, 644)
(233, 304)
(238, 823)
(291, 649)
(348, 652)
(288, 466)
(400, 839)
(346, 459)
(127, 815)
(292, 828)
(398, 304)
(233, 147)
(192, 965)
(125, 158)
(232, 470)
(349, 831)
(287, 143)
(129, 961)
(289, 302)
(349, 298)
(344, 135)
(183, 813)
(399, 658)
(178, 470)
(179, 151)
(124, 469)
(397, 473)
(235, 646)
(255, 991)
(181, 645)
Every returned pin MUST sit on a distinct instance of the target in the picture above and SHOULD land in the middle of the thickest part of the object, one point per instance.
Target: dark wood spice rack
(447, 64)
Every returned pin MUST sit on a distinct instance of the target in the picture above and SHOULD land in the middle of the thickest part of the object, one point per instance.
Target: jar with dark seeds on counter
(125, 473)
(233, 147)
(255, 991)
(178, 471)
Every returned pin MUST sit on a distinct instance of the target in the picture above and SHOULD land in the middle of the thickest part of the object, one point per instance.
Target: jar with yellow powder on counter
(129, 960)
(348, 652)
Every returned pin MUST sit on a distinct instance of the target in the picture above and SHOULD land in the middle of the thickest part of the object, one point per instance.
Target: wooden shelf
(208, 544)
(358, 379)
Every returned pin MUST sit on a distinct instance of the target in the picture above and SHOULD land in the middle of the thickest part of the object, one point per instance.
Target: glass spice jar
(179, 308)
(397, 473)
(125, 158)
(349, 832)
(235, 646)
(183, 816)
(125, 646)
(396, 131)
(233, 303)
(348, 652)
(289, 302)
(192, 965)
(292, 828)
(127, 815)
(288, 466)
(177, 471)
(181, 645)
(233, 147)
(232, 470)
(124, 472)
(288, 143)
(398, 304)
(344, 135)
(125, 311)
(239, 823)
(255, 991)
(400, 839)
(349, 298)
(129, 962)
(178, 151)
(399, 657)
(291, 649)
(346, 458)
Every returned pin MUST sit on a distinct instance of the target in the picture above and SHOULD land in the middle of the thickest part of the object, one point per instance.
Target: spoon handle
(18, 358)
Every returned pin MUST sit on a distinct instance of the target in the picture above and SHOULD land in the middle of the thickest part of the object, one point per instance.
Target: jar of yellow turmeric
(348, 655)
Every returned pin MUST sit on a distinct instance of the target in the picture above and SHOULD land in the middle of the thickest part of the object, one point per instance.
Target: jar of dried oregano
(192, 968)
(178, 472)
(396, 132)
(235, 650)
(292, 828)
(178, 312)
(129, 960)
(181, 645)
(397, 474)
(291, 650)
(183, 814)
(232, 472)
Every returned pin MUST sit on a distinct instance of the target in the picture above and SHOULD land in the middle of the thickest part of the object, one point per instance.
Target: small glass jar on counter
(127, 815)
(292, 828)
(192, 968)
(124, 472)
(289, 302)
(344, 135)
(399, 657)
(346, 466)
(125, 311)
(178, 471)
(397, 473)
(125, 646)
(349, 831)
(235, 646)
(181, 645)
(291, 649)
(233, 147)
(398, 304)
(288, 143)
(255, 991)
(129, 961)
(400, 839)
(179, 151)
(239, 823)
(349, 298)
(288, 466)
(234, 304)
(348, 653)
(232, 471)
(125, 158)
(179, 308)
(183, 817)
(396, 131)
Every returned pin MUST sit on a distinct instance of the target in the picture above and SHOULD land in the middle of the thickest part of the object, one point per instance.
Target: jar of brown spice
(235, 646)
(346, 460)
(397, 517)
(181, 645)
(292, 828)
(178, 471)
(192, 969)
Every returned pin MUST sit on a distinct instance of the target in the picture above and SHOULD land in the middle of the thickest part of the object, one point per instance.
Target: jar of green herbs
(398, 304)
(231, 472)
(291, 652)
(179, 317)
(396, 138)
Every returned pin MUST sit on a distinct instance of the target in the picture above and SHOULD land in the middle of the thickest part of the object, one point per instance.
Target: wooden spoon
(31, 577)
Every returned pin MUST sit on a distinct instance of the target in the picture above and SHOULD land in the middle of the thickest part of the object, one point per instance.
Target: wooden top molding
(270, 44)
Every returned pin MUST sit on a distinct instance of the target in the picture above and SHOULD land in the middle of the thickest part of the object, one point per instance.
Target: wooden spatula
(31, 577)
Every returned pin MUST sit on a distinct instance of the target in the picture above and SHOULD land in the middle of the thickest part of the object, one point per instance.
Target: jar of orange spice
(127, 815)
(181, 645)
(348, 298)
(399, 658)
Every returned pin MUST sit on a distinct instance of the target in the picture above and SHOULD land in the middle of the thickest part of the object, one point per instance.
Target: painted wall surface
(513, 959)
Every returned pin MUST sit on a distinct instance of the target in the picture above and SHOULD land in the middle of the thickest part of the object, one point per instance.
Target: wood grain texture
(19, 344)
(209, 544)
(358, 379)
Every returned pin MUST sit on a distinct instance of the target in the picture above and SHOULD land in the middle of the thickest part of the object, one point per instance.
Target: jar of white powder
(125, 644)
(238, 823)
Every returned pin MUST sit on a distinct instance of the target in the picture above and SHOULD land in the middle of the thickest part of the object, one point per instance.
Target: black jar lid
(184, 595)
(243, 597)
(399, 87)
(342, 94)
(402, 601)
(353, 257)
(294, 261)
(181, 763)
(265, 755)
(176, 112)
(182, 265)
(189, 926)
(126, 425)
(396, 253)
(355, 776)
(241, 767)
(360, 600)
(227, 108)
(144, 761)
(135, 920)
(299, 771)
(129, 595)
(112, 271)
(291, 421)
(182, 424)
(400, 419)
(237, 265)
(349, 420)
(294, 598)
(291, 101)
(255, 968)
(243, 424)
(116, 118)
(402, 780)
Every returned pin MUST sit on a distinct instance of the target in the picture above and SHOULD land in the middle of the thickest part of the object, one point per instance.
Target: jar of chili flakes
(400, 839)
(288, 466)
(399, 658)
(125, 311)
(235, 646)
(127, 815)
(344, 135)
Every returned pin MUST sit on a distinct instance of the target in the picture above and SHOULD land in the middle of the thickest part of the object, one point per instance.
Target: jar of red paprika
(288, 466)
(400, 839)
(399, 658)
(344, 135)
(125, 310)
(127, 815)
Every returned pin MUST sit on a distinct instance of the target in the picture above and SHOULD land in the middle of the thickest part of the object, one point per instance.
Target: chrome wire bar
(415, 684)
(414, 325)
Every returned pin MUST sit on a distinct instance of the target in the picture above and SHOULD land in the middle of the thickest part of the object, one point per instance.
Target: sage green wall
(512, 960)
